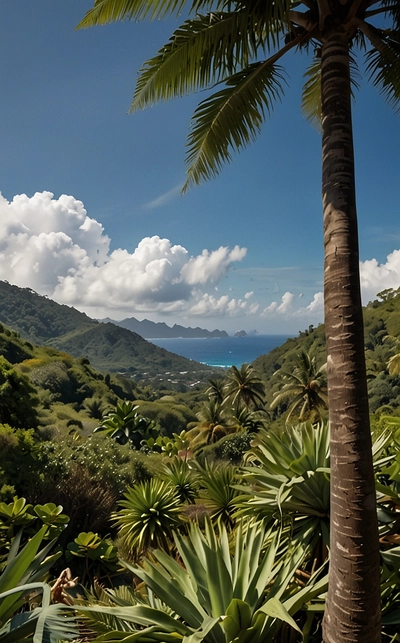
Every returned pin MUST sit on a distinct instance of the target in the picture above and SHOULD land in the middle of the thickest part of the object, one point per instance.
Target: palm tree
(241, 419)
(210, 426)
(216, 390)
(393, 364)
(244, 387)
(304, 389)
(239, 43)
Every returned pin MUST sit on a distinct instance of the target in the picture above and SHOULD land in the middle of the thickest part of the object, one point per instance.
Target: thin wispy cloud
(165, 198)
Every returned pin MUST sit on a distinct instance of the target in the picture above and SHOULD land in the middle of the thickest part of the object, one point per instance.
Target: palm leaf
(384, 68)
(311, 97)
(106, 11)
(45, 624)
(200, 52)
(231, 119)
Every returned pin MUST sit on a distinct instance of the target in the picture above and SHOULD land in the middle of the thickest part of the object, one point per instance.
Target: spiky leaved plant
(213, 594)
(149, 512)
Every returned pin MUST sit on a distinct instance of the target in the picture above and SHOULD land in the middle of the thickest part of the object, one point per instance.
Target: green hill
(108, 347)
(381, 338)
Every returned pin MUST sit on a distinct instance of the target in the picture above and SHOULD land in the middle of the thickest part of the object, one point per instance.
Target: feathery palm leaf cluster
(304, 390)
(235, 404)
(234, 47)
(244, 387)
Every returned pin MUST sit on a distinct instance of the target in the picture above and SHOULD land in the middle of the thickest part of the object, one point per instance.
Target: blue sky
(243, 251)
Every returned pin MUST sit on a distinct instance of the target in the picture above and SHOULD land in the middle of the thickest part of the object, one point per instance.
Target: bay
(222, 351)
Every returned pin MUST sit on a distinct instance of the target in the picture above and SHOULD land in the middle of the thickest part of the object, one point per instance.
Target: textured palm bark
(353, 603)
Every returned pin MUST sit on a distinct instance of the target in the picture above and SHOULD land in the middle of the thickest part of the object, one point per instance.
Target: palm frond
(384, 68)
(200, 52)
(106, 11)
(231, 119)
(311, 97)
(392, 8)
(394, 364)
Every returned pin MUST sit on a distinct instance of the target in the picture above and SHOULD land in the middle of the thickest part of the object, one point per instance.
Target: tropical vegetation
(236, 49)
(122, 511)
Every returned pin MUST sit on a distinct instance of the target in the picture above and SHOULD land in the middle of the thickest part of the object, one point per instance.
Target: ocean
(222, 351)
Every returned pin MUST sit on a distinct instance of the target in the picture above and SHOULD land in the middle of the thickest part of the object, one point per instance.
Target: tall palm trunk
(353, 603)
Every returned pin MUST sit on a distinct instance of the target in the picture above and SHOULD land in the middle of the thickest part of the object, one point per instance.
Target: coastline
(222, 352)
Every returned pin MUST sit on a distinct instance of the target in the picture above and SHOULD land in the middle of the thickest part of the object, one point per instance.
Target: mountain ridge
(40, 320)
(160, 330)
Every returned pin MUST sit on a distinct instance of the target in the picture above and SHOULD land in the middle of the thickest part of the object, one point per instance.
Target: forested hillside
(108, 347)
(382, 342)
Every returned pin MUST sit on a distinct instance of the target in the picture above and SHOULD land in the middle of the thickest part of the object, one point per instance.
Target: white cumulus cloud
(211, 266)
(210, 306)
(376, 277)
(54, 247)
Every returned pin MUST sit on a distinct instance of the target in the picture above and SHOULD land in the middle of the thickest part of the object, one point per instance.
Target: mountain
(160, 330)
(108, 347)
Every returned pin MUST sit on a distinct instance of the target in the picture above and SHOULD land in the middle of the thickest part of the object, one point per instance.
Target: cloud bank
(52, 246)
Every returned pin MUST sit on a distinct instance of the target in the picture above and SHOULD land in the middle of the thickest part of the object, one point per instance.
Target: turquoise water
(222, 351)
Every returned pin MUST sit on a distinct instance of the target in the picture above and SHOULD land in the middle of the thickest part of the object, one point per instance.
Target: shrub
(17, 398)
(19, 468)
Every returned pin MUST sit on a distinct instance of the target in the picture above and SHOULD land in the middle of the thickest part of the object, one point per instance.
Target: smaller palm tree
(216, 390)
(242, 419)
(304, 389)
(94, 408)
(210, 426)
(244, 387)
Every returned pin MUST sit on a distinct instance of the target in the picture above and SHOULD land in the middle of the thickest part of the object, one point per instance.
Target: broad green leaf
(237, 618)
(274, 608)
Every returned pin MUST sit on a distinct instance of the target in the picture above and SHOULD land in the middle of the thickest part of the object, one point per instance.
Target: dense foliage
(241, 465)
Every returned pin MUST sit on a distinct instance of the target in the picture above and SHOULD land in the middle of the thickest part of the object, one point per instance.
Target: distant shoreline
(227, 351)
